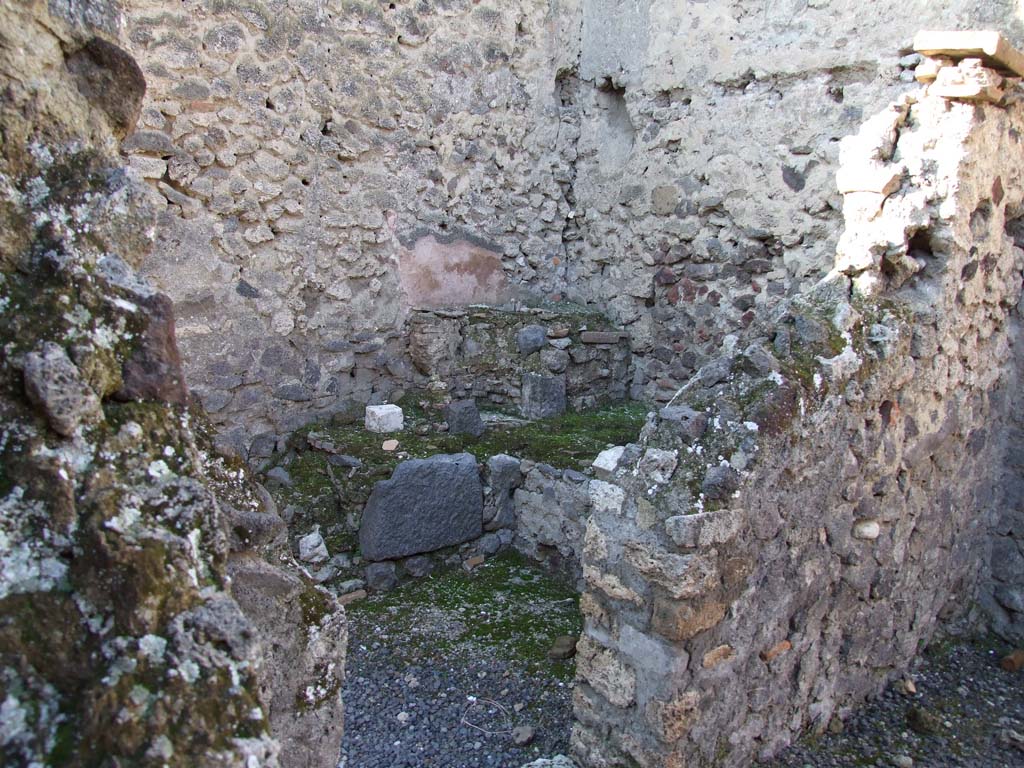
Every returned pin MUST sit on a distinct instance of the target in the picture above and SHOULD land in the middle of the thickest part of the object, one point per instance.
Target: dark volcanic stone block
(464, 419)
(543, 396)
(426, 505)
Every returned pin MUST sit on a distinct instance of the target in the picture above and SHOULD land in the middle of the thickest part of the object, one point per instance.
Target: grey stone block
(543, 396)
(531, 338)
(463, 418)
(426, 505)
(381, 576)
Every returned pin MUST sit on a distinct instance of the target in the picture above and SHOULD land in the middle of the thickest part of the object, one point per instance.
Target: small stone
(343, 461)
(716, 656)
(720, 482)
(312, 548)
(473, 562)
(658, 465)
(1013, 662)
(463, 418)
(687, 422)
(384, 418)
(419, 566)
(280, 476)
(389, 445)
(352, 585)
(607, 461)
(381, 577)
(560, 332)
(403, 717)
(564, 647)
(867, 530)
(907, 687)
(489, 543)
(351, 597)
(523, 735)
(601, 337)
(54, 384)
(903, 761)
(543, 396)
(531, 338)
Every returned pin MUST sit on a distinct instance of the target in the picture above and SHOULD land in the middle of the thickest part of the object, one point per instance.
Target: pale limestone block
(606, 673)
(384, 418)
(606, 497)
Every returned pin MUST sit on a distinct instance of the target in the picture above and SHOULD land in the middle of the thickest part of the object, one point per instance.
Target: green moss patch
(507, 605)
(327, 495)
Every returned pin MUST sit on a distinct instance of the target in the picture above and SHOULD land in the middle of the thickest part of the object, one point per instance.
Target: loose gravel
(966, 712)
(441, 671)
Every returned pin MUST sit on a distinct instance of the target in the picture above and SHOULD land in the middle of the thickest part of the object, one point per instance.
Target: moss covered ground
(506, 605)
(333, 496)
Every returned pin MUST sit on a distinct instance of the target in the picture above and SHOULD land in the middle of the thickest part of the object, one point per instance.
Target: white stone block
(312, 548)
(608, 460)
(384, 418)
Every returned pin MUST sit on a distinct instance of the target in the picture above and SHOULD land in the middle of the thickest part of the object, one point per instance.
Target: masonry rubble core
(800, 244)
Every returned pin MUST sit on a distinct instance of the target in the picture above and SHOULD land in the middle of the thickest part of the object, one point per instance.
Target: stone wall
(709, 135)
(485, 353)
(326, 167)
(141, 619)
(797, 524)
(322, 164)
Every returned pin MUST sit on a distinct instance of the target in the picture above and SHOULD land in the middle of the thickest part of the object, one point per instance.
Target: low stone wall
(486, 353)
(812, 506)
(477, 511)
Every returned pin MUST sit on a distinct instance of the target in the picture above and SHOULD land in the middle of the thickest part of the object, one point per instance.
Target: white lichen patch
(153, 648)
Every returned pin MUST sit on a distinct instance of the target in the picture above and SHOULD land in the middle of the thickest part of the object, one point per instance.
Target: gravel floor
(441, 671)
(966, 713)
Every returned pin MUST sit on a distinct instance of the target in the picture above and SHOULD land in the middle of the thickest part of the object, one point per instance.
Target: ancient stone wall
(485, 354)
(325, 166)
(703, 186)
(794, 527)
(122, 638)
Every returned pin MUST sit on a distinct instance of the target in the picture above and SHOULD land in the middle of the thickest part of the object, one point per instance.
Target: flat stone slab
(603, 337)
(384, 418)
(427, 504)
(991, 47)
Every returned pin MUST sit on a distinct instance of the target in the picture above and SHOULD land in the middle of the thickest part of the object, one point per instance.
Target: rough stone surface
(531, 338)
(829, 517)
(384, 418)
(53, 383)
(477, 353)
(543, 396)
(312, 548)
(426, 505)
(381, 576)
(463, 418)
(143, 622)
